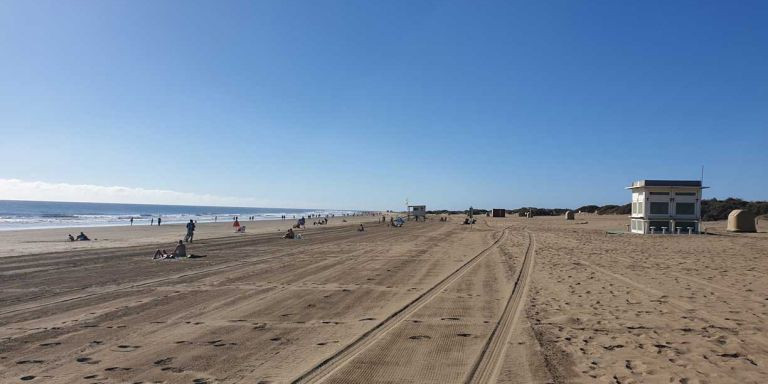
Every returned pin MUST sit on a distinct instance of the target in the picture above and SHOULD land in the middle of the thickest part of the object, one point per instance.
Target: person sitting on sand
(71, 238)
(361, 229)
(289, 234)
(179, 251)
(82, 237)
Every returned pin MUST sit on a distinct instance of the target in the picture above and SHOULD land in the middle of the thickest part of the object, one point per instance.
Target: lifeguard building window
(685, 208)
(659, 208)
(685, 193)
(660, 193)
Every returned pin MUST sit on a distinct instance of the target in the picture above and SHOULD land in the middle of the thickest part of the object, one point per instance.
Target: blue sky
(342, 104)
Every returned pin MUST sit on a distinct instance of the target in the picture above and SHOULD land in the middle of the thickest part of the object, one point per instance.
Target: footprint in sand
(612, 347)
(464, 334)
(50, 344)
(419, 337)
(87, 360)
(30, 361)
(173, 369)
(450, 318)
(126, 348)
(260, 326)
(276, 339)
(218, 343)
(164, 361)
(368, 319)
(110, 369)
(27, 378)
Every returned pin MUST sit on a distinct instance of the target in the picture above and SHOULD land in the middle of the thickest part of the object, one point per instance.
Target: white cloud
(14, 189)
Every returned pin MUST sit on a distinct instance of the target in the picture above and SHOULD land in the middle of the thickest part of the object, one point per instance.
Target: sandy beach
(508, 300)
(29, 241)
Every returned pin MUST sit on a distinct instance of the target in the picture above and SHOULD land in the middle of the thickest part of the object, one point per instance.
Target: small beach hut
(498, 212)
(569, 215)
(740, 220)
(417, 212)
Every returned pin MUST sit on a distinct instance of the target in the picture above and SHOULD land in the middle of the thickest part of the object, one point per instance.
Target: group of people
(80, 237)
(181, 249)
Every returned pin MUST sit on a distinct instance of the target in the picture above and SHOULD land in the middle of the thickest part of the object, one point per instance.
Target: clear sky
(361, 104)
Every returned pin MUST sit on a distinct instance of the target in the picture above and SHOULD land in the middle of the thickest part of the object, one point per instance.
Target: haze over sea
(17, 214)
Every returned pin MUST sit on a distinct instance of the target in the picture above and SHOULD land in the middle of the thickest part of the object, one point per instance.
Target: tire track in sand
(144, 283)
(486, 368)
(331, 364)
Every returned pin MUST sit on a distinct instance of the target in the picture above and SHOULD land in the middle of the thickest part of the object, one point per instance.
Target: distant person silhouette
(190, 231)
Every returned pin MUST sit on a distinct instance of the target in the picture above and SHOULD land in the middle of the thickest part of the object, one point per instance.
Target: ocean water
(16, 214)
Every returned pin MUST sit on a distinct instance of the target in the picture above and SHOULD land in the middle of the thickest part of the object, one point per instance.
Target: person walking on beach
(131, 221)
(152, 222)
(190, 231)
(159, 220)
(236, 225)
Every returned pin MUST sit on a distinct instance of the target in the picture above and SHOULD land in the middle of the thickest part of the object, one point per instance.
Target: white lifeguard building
(666, 206)
(417, 212)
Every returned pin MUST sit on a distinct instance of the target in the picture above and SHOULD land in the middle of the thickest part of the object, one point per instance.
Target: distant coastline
(24, 214)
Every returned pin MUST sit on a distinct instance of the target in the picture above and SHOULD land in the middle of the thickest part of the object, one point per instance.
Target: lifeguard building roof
(666, 183)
